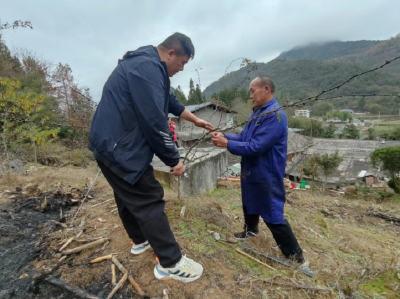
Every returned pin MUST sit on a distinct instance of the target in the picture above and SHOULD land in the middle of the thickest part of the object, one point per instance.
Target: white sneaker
(305, 268)
(140, 248)
(186, 270)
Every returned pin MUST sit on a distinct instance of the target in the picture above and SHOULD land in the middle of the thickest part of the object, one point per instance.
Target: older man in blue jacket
(129, 127)
(263, 147)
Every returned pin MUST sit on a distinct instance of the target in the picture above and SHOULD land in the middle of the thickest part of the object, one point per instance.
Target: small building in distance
(356, 166)
(219, 116)
(302, 113)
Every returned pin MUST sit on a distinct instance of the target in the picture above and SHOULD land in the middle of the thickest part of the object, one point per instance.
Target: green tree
(342, 115)
(395, 134)
(329, 132)
(310, 169)
(180, 95)
(195, 97)
(351, 132)
(21, 116)
(191, 96)
(328, 164)
(361, 104)
(321, 108)
(227, 96)
(244, 109)
(198, 96)
(310, 127)
(371, 133)
(388, 159)
(374, 108)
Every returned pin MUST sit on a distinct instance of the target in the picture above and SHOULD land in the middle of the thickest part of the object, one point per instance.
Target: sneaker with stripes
(305, 266)
(140, 248)
(186, 270)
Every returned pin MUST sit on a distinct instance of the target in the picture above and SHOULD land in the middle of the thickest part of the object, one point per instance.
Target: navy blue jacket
(263, 147)
(130, 124)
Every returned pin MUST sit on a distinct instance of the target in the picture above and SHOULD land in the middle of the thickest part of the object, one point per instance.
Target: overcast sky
(91, 35)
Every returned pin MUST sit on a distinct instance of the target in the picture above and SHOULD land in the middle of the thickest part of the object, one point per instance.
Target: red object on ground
(293, 185)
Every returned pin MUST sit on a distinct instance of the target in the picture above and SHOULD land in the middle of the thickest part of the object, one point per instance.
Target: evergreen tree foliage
(180, 95)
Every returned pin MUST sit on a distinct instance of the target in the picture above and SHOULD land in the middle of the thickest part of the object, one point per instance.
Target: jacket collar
(273, 101)
(146, 50)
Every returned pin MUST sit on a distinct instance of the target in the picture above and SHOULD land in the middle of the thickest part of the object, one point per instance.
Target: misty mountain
(305, 71)
(367, 53)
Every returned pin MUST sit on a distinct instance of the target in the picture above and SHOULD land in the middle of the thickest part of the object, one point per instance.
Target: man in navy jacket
(263, 147)
(129, 127)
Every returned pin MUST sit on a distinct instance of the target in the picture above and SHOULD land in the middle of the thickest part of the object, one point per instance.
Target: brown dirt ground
(356, 253)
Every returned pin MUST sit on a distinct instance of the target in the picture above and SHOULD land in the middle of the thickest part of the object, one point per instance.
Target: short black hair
(179, 42)
(267, 80)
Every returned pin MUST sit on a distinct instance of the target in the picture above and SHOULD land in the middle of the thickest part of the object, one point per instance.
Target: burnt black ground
(22, 226)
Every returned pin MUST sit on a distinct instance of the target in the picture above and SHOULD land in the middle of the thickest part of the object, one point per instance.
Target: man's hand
(218, 139)
(178, 170)
(201, 123)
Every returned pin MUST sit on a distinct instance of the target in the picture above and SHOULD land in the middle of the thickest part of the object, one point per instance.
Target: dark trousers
(141, 209)
(176, 143)
(282, 234)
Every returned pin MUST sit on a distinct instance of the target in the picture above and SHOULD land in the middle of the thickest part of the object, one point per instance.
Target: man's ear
(171, 53)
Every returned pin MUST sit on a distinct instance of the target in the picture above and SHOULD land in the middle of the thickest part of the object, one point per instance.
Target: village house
(219, 116)
(356, 166)
(302, 113)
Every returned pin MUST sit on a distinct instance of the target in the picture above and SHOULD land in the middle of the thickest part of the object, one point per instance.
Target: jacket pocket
(123, 140)
(131, 151)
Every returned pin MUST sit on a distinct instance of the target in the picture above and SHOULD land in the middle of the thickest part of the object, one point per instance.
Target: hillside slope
(328, 51)
(296, 79)
(366, 53)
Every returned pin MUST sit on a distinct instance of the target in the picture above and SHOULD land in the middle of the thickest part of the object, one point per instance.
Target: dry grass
(356, 253)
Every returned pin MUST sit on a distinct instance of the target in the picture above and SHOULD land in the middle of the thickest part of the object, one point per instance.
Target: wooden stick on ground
(254, 259)
(79, 234)
(136, 286)
(119, 285)
(113, 274)
(130, 278)
(297, 286)
(387, 217)
(118, 264)
(86, 246)
(101, 258)
(311, 230)
(66, 244)
(74, 290)
(100, 203)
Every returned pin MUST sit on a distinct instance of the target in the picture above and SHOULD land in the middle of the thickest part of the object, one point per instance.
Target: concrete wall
(188, 131)
(202, 174)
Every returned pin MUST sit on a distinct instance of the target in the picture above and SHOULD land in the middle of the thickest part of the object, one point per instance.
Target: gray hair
(267, 81)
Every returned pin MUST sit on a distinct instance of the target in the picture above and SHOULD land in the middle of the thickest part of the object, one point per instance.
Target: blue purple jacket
(263, 147)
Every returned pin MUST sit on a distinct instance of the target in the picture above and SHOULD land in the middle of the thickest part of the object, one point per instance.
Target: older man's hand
(218, 139)
(201, 123)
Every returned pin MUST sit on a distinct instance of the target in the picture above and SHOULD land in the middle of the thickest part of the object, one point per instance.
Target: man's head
(261, 90)
(176, 51)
